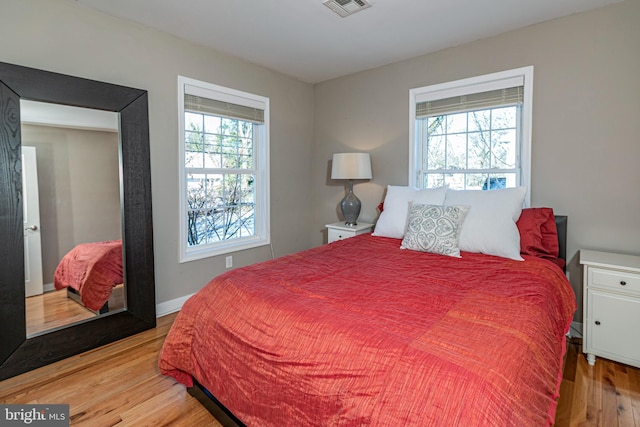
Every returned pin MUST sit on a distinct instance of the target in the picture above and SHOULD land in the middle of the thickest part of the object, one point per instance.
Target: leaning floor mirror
(76, 235)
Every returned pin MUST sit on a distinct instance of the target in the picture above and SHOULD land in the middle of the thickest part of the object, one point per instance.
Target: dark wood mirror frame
(18, 353)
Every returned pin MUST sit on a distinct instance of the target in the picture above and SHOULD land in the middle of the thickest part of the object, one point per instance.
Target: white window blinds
(198, 104)
(470, 102)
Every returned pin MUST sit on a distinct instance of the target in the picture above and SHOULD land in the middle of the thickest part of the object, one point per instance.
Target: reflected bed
(89, 272)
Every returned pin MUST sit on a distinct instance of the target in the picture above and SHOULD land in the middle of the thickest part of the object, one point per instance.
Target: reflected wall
(79, 189)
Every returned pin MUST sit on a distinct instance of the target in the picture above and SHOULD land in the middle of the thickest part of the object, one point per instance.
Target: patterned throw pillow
(433, 228)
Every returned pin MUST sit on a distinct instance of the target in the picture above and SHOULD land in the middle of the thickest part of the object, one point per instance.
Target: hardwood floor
(120, 385)
(116, 385)
(607, 394)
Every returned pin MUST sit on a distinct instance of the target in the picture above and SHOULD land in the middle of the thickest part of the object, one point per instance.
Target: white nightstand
(611, 306)
(339, 231)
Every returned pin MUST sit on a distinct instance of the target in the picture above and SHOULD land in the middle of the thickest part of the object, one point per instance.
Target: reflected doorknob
(32, 228)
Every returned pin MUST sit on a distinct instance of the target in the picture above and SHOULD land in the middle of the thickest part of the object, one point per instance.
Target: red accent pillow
(538, 233)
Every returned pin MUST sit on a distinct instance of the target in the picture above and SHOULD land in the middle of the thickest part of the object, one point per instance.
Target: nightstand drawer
(340, 231)
(614, 280)
(339, 234)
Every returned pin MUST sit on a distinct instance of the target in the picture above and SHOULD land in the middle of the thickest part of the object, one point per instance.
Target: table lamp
(351, 166)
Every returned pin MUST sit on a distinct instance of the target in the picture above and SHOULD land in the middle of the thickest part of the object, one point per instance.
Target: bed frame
(74, 295)
(227, 419)
(213, 405)
(114, 302)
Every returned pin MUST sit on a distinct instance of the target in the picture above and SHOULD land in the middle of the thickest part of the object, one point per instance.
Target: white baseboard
(171, 306)
(48, 287)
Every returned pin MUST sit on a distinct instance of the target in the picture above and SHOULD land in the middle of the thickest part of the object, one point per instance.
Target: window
(224, 169)
(473, 133)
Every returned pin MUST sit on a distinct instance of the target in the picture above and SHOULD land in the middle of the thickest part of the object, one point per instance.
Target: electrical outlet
(229, 261)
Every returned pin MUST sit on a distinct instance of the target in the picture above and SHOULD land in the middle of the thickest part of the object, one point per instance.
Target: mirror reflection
(72, 215)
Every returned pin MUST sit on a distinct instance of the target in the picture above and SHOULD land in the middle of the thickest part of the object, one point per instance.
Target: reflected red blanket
(92, 269)
(360, 332)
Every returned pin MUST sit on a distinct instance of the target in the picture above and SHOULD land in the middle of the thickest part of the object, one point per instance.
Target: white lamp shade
(351, 166)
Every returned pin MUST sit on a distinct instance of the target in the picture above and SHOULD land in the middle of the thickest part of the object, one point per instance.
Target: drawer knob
(598, 322)
(622, 282)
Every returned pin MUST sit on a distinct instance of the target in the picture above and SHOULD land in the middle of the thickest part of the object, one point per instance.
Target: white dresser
(611, 306)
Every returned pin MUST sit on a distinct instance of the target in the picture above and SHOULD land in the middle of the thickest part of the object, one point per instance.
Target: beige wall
(586, 131)
(585, 127)
(62, 36)
(78, 189)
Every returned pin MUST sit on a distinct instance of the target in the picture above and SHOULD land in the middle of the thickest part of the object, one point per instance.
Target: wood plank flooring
(120, 385)
(607, 394)
(116, 385)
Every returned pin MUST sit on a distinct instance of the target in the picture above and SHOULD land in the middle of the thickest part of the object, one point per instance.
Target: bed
(365, 332)
(90, 272)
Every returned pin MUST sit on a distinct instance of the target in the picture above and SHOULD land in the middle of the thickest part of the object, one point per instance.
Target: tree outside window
(224, 169)
(473, 133)
(471, 150)
(221, 205)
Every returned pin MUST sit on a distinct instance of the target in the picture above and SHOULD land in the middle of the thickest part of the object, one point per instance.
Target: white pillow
(435, 229)
(393, 219)
(490, 226)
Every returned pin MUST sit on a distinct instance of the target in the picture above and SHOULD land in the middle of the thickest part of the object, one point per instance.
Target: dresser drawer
(613, 280)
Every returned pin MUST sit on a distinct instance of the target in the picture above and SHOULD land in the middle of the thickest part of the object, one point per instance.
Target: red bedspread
(359, 332)
(92, 269)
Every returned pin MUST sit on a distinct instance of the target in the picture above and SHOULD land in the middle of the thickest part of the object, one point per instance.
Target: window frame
(261, 150)
(500, 80)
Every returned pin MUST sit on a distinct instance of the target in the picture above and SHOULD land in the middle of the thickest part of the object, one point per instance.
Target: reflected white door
(32, 244)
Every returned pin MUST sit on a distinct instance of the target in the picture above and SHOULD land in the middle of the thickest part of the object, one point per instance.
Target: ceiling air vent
(346, 7)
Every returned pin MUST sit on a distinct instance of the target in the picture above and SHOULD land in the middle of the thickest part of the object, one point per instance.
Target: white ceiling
(67, 116)
(306, 40)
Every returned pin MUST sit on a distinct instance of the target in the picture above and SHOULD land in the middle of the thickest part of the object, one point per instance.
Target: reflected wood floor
(52, 310)
(55, 309)
(120, 385)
